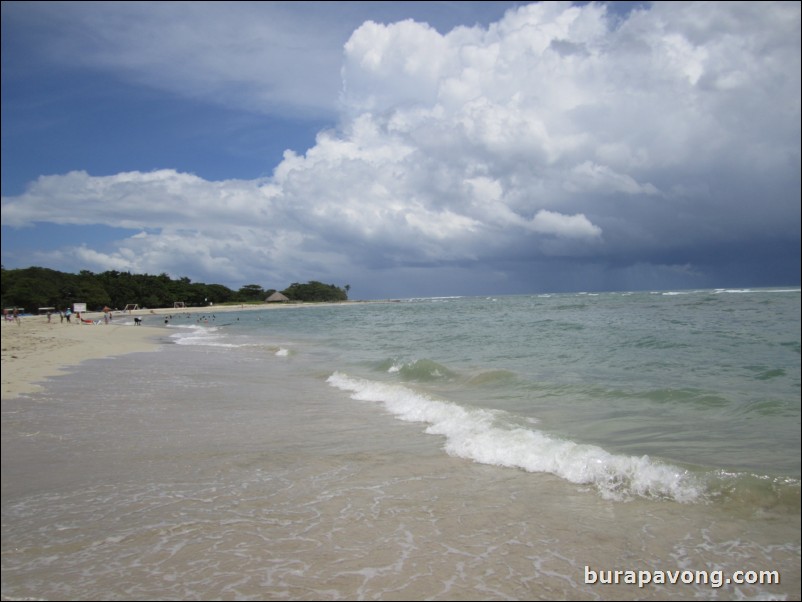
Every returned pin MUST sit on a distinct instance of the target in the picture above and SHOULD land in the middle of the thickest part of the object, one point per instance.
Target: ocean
(569, 446)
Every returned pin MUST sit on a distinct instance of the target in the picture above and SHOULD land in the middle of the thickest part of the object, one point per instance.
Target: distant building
(277, 297)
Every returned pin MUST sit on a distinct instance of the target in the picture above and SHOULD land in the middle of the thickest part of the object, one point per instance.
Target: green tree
(120, 287)
(36, 287)
(314, 291)
(90, 290)
(251, 292)
(217, 293)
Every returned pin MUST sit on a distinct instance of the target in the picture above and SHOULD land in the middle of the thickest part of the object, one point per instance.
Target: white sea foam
(200, 335)
(485, 436)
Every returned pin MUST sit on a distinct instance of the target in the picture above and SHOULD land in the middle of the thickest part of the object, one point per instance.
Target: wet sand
(35, 349)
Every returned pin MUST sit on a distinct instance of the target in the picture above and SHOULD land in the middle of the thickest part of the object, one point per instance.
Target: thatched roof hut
(277, 297)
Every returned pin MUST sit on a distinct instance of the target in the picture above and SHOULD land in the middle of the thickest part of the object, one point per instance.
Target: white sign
(79, 308)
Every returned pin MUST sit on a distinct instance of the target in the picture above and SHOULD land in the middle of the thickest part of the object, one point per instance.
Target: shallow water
(260, 455)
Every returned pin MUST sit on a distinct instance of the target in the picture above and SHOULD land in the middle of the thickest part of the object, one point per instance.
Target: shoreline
(217, 472)
(35, 350)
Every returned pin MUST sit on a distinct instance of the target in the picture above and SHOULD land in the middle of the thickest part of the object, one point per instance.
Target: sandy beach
(282, 455)
(36, 349)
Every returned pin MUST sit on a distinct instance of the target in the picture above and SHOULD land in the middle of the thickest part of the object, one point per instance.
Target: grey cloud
(546, 145)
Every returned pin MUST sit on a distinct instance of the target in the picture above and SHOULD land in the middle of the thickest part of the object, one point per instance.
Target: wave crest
(485, 436)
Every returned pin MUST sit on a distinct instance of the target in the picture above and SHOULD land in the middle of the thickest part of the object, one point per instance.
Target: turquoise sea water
(449, 448)
(580, 385)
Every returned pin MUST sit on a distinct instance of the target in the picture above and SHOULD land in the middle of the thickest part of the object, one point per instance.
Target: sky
(405, 149)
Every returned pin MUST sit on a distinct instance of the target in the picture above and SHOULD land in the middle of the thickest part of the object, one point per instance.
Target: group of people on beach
(11, 315)
(14, 316)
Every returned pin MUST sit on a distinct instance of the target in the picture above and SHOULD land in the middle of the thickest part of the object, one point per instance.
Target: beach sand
(36, 349)
(244, 475)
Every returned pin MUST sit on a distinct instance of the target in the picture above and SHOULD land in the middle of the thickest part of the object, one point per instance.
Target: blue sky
(405, 148)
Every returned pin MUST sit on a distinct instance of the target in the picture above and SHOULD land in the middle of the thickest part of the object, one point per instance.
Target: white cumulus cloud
(558, 131)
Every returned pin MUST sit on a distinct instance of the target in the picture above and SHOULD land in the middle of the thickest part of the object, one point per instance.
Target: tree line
(35, 287)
